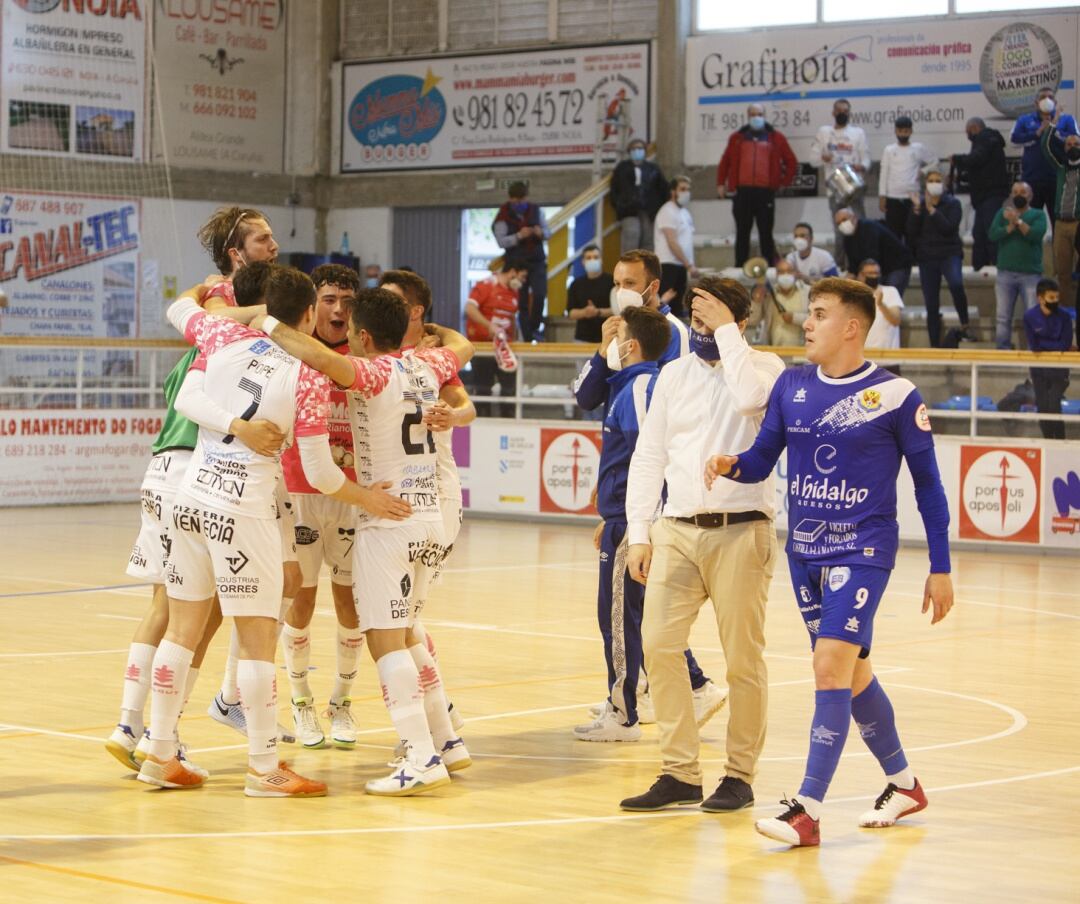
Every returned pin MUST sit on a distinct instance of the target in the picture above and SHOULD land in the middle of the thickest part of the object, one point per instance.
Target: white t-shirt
(900, 167)
(387, 401)
(817, 264)
(672, 216)
(245, 370)
(847, 145)
(882, 333)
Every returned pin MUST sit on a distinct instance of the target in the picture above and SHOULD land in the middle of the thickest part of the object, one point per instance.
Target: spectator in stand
(785, 311)
(832, 147)
(673, 236)
(588, 300)
(933, 232)
(885, 330)
(865, 239)
(491, 308)
(810, 263)
(756, 162)
(988, 183)
(1018, 230)
(638, 191)
(520, 229)
(372, 275)
(1049, 329)
(1035, 168)
(1063, 155)
(899, 180)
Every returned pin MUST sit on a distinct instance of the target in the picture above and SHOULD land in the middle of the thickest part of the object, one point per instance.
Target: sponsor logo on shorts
(237, 586)
(171, 577)
(838, 577)
(852, 625)
(399, 609)
(137, 558)
(212, 525)
(305, 535)
(237, 562)
(406, 585)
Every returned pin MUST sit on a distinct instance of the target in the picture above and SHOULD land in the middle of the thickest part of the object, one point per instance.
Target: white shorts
(286, 523)
(163, 475)
(237, 556)
(397, 564)
(325, 532)
(451, 516)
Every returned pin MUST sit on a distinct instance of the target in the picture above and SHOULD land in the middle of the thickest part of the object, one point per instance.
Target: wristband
(269, 323)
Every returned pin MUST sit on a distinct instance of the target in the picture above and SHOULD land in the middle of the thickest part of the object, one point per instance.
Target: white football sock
(136, 686)
(405, 702)
(349, 643)
(230, 692)
(296, 644)
(172, 663)
(905, 778)
(435, 706)
(812, 806)
(259, 695)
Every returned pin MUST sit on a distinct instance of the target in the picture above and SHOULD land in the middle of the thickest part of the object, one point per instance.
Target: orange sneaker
(168, 773)
(281, 782)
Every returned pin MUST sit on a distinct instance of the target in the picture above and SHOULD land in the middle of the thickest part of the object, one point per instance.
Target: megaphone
(756, 268)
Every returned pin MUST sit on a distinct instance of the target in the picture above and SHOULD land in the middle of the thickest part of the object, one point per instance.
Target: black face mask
(1052, 305)
(873, 281)
(903, 139)
(971, 136)
(841, 119)
(1019, 201)
(1073, 153)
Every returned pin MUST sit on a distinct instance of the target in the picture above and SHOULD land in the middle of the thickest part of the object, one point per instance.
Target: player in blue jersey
(847, 424)
(643, 335)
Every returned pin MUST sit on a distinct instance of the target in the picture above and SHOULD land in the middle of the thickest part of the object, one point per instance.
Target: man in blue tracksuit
(1035, 169)
(637, 286)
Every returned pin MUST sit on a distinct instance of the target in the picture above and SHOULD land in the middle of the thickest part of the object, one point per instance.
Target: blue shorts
(839, 601)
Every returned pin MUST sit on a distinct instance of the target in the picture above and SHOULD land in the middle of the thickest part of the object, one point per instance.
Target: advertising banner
(940, 72)
(52, 457)
(1061, 497)
(501, 109)
(999, 493)
(221, 81)
(569, 470)
(73, 80)
(504, 464)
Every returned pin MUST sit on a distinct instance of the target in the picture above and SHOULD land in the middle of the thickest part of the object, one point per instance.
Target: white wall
(370, 233)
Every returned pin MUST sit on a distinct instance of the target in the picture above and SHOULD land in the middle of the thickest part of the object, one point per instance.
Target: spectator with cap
(898, 184)
(520, 229)
(638, 191)
(757, 161)
(933, 232)
(865, 239)
(1035, 169)
(988, 183)
(1018, 230)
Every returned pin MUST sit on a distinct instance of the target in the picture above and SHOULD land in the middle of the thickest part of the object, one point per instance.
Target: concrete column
(673, 27)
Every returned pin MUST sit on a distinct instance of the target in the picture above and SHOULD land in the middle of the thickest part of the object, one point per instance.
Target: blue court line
(833, 93)
(4, 596)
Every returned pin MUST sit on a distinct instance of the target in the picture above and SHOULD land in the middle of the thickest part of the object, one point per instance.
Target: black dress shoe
(667, 791)
(731, 794)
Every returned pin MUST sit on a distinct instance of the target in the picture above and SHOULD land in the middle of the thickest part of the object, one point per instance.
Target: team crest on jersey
(870, 400)
(258, 347)
(922, 418)
(838, 577)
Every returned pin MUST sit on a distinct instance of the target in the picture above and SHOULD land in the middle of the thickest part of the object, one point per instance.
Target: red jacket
(757, 164)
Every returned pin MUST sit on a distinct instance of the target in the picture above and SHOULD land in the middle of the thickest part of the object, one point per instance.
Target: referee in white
(717, 544)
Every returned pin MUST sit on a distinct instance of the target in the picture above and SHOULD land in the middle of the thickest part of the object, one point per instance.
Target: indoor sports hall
(468, 362)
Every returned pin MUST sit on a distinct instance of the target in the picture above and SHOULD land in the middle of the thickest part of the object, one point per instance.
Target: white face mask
(682, 198)
(614, 356)
(935, 188)
(1046, 105)
(626, 298)
(592, 266)
(515, 284)
(785, 280)
(847, 227)
(801, 244)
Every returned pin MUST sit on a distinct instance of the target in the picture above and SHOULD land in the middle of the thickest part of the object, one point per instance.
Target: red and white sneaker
(892, 804)
(794, 826)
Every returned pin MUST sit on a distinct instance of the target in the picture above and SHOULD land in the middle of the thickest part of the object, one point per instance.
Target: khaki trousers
(1064, 259)
(732, 566)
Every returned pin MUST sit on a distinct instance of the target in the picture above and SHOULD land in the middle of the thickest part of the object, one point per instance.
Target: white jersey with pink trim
(387, 402)
(248, 374)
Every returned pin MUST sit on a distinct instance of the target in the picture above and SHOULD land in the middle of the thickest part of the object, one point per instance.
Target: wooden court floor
(987, 705)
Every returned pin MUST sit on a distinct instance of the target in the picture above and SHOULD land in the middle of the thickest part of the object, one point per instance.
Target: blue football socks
(873, 714)
(828, 732)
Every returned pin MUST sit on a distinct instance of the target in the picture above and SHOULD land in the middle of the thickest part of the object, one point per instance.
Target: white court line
(487, 826)
(119, 617)
(959, 601)
(47, 653)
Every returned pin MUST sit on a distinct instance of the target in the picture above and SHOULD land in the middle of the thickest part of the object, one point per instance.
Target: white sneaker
(892, 804)
(455, 756)
(607, 727)
(181, 755)
(456, 721)
(708, 701)
(342, 726)
(229, 714)
(121, 744)
(308, 729)
(409, 778)
(142, 748)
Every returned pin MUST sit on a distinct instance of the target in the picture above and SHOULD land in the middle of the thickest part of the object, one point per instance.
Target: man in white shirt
(810, 263)
(899, 183)
(718, 544)
(673, 238)
(834, 146)
(885, 330)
